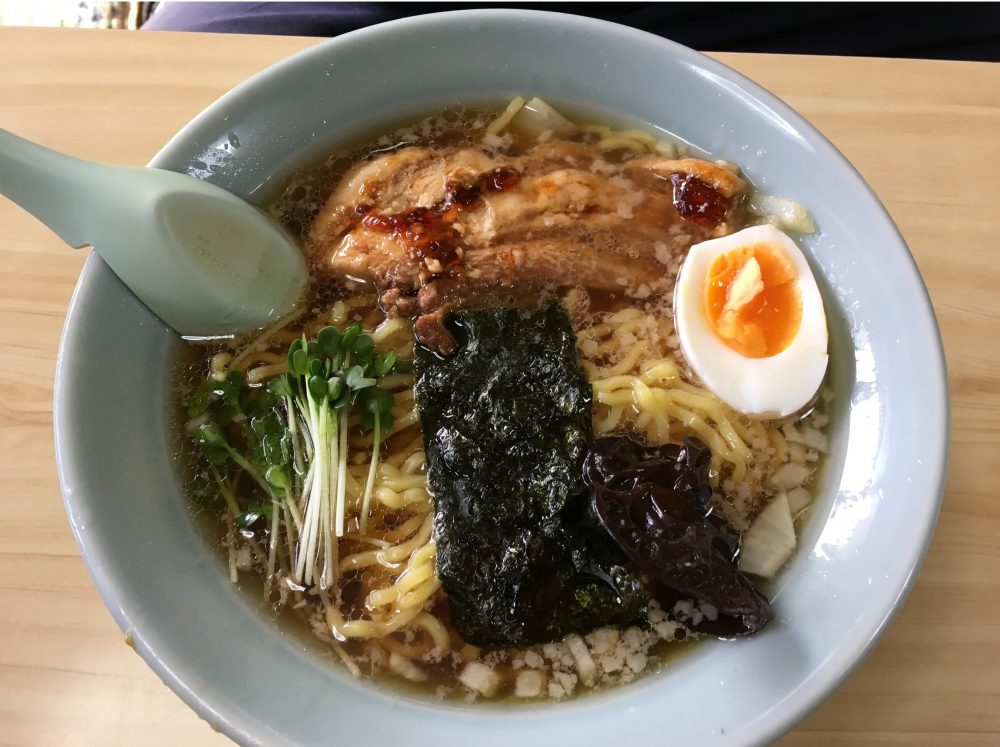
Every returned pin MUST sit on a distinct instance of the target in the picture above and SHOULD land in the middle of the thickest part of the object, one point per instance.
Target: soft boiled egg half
(751, 323)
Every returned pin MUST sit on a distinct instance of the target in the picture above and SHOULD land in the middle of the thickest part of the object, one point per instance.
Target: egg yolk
(752, 300)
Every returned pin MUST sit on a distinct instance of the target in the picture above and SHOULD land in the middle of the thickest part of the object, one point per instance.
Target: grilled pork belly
(435, 227)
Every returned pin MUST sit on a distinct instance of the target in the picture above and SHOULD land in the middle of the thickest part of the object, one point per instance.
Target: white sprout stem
(300, 554)
(307, 516)
(372, 470)
(227, 493)
(307, 486)
(326, 576)
(293, 510)
(335, 477)
(321, 495)
(272, 550)
(342, 474)
(310, 530)
(303, 569)
(231, 546)
(290, 538)
(298, 478)
(325, 524)
(324, 540)
(300, 547)
(293, 431)
(307, 427)
(248, 468)
(334, 557)
(329, 571)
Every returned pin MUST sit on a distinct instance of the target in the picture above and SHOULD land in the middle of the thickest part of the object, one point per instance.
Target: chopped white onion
(814, 439)
(406, 668)
(782, 212)
(529, 683)
(790, 475)
(798, 499)
(585, 666)
(536, 117)
(603, 640)
(500, 123)
(770, 541)
(479, 677)
(665, 149)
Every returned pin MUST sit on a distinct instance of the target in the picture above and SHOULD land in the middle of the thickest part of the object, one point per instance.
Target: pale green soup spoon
(204, 261)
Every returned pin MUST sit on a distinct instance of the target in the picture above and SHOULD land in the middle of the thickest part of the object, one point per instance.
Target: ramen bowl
(878, 495)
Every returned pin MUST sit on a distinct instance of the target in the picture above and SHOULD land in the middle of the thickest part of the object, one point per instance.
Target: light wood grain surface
(926, 136)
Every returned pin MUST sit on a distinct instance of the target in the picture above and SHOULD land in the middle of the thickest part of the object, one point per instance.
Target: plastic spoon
(203, 260)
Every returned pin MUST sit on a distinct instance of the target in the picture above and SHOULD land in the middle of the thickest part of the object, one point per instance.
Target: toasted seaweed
(521, 554)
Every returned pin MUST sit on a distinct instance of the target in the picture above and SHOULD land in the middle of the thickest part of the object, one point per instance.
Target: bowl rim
(238, 726)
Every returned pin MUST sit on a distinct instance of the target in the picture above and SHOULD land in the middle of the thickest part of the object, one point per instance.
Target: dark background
(948, 31)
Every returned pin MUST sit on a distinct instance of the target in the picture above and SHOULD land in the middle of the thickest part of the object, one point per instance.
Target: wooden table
(926, 136)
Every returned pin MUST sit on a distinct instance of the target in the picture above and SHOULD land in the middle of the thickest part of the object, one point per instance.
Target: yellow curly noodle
(631, 359)
(635, 141)
(604, 138)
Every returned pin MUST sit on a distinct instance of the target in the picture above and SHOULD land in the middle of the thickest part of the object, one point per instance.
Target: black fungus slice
(656, 503)
(507, 425)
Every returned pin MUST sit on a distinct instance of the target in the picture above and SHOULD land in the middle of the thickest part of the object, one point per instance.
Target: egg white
(763, 387)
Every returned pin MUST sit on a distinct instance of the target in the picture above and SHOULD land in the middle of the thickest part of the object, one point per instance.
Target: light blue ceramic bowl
(879, 497)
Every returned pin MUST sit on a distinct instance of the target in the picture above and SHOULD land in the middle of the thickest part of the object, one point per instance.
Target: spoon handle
(57, 189)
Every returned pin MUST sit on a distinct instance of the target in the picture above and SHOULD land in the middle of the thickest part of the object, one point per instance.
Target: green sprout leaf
(296, 345)
(328, 340)
(205, 491)
(231, 387)
(351, 334)
(318, 387)
(209, 434)
(200, 400)
(263, 403)
(277, 478)
(213, 444)
(298, 361)
(377, 401)
(364, 350)
(281, 385)
(335, 387)
(385, 421)
(256, 516)
(356, 379)
(384, 363)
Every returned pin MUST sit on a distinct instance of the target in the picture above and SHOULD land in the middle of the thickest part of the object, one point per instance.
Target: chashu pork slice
(421, 226)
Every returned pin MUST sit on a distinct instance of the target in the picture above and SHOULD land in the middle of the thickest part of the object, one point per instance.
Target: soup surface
(503, 473)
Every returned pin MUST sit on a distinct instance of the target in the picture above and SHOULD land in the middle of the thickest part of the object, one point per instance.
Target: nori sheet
(521, 554)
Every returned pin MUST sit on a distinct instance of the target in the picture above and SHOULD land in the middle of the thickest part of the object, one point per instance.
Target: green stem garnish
(296, 432)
